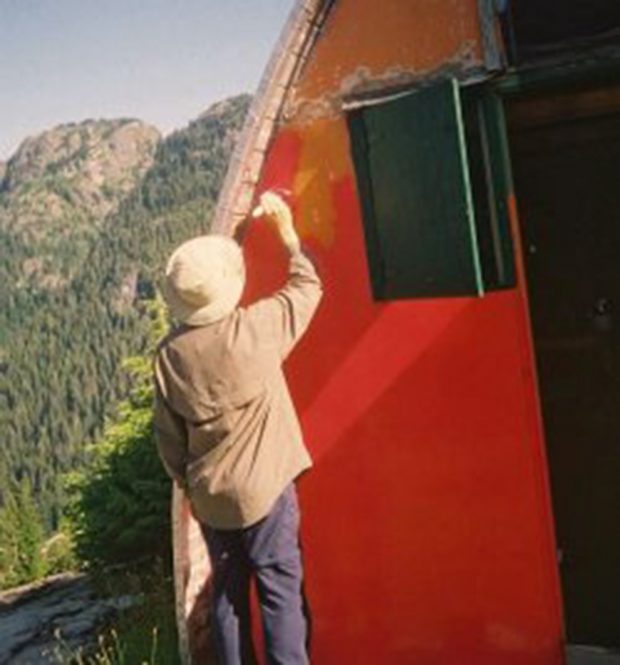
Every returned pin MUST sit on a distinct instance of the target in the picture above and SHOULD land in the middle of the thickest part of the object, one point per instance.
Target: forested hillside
(57, 189)
(83, 242)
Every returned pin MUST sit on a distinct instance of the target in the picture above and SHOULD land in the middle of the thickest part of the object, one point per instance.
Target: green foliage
(21, 538)
(58, 551)
(121, 501)
(62, 346)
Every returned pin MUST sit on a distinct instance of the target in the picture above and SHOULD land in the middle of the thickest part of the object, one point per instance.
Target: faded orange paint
(365, 40)
(324, 162)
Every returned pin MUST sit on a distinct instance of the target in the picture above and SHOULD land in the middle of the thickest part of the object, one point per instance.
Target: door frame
(590, 72)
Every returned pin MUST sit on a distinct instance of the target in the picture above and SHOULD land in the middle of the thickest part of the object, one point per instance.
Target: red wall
(426, 520)
(427, 528)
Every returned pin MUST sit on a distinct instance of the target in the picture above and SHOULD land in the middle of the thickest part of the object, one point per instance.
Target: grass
(145, 634)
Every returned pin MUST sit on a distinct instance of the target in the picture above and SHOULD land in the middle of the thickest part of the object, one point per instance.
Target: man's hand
(277, 212)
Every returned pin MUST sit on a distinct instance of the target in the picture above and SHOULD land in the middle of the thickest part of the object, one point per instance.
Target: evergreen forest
(69, 324)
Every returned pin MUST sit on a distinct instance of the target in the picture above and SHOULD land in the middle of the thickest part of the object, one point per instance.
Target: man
(228, 433)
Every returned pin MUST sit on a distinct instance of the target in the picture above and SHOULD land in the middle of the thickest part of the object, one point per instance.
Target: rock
(40, 621)
(59, 186)
(89, 156)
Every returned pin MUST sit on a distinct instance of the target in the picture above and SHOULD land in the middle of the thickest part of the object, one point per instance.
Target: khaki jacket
(225, 425)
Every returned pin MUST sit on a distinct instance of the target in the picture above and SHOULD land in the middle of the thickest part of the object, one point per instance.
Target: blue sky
(163, 61)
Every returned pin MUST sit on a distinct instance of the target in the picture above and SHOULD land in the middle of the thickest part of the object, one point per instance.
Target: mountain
(59, 186)
(80, 265)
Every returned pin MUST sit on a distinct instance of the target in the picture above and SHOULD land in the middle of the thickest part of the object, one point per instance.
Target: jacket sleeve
(171, 439)
(283, 318)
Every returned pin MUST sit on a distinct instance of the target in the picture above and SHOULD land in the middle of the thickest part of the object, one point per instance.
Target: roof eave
(292, 48)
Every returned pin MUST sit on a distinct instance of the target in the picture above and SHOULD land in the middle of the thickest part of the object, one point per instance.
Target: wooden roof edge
(290, 52)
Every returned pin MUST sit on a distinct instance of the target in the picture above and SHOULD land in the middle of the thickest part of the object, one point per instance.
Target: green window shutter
(490, 180)
(418, 195)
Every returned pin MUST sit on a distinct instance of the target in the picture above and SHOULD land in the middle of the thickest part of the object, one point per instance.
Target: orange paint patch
(323, 163)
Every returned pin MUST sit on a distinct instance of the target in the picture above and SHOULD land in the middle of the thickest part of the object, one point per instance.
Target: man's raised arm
(284, 317)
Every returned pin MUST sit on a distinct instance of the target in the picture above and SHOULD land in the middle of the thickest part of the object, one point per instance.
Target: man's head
(205, 277)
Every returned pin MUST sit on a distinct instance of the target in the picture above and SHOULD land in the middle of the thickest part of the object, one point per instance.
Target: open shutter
(413, 175)
(419, 208)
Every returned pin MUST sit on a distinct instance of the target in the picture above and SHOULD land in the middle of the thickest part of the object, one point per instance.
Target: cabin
(453, 166)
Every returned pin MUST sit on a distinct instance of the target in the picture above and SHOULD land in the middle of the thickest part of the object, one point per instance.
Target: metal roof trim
(291, 50)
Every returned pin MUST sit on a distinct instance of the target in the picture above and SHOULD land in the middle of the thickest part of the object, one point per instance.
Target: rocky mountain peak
(60, 185)
(89, 165)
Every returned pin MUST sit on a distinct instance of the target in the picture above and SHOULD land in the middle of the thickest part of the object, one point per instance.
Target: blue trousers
(269, 552)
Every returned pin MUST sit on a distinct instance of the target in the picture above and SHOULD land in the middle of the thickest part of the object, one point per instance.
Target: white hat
(205, 277)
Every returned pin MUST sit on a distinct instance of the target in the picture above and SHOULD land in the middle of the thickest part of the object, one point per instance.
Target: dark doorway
(536, 28)
(566, 160)
(538, 22)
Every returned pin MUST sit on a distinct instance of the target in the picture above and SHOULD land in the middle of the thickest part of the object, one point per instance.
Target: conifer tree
(61, 348)
(30, 534)
(21, 537)
(120, 508)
